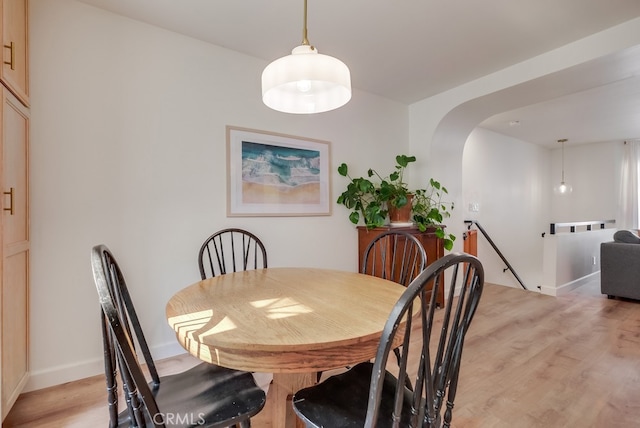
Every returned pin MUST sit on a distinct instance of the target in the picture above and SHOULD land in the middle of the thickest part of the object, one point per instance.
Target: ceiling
(408, 50)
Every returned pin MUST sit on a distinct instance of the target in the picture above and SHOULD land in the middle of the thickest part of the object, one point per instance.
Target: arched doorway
(446, 151)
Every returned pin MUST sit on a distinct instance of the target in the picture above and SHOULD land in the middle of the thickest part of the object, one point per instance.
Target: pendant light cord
(563, 161)
(562, 142)
(305, 41)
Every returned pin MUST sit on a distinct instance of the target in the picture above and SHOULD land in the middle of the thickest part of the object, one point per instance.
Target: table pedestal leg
(281, 390)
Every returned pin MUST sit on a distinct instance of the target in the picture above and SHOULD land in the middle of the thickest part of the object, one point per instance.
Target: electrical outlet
(474, 207)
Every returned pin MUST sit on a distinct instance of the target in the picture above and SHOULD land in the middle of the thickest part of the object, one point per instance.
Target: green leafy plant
(369, 199)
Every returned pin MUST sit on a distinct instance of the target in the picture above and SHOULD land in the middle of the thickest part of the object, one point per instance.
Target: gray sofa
(620, 266)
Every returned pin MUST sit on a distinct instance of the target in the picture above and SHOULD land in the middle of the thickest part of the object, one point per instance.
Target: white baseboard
(565, 288)
(45, 378)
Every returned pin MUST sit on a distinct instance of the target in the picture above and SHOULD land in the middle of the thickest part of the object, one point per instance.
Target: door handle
(10, 208)
(12, 48)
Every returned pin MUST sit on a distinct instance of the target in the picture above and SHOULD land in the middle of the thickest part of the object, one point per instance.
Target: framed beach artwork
(276, 175)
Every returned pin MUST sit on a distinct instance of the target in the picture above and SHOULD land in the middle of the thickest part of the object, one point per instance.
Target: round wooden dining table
(292, 322)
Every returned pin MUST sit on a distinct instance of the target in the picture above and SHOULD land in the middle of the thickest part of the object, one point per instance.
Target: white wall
(440, 125)
(572, 259)
(512, 181)
(594, 172)
(509, 180)
(128, 149)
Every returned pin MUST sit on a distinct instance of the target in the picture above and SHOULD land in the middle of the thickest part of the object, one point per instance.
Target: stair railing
(470, 223)
(553, 227)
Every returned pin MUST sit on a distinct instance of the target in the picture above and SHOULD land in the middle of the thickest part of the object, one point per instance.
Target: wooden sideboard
(433, 246)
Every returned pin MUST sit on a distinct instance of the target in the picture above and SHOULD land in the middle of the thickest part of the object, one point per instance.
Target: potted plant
(372, 197)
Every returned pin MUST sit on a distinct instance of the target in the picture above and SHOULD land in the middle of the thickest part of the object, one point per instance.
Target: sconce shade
(306, 82)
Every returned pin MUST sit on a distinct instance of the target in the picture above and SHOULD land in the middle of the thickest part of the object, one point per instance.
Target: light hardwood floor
(529, 361)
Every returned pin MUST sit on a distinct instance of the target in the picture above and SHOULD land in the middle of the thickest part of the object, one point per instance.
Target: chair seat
(341, 400)
(203, 396)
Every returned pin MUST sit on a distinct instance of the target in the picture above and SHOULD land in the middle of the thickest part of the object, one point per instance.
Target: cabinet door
(15, 250)
(15, 60)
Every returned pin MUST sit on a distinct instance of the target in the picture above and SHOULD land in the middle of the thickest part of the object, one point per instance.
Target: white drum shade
(306, 82)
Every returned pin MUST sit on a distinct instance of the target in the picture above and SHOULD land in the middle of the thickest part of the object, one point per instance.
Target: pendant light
(306, 81)
(562, 188)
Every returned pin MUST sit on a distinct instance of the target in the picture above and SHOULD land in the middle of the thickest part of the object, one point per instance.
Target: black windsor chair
(394, 255)
(203, 396)
(371, 395)
(231, 250)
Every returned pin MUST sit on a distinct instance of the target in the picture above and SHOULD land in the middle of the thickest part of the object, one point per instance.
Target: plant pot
(401, 215)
